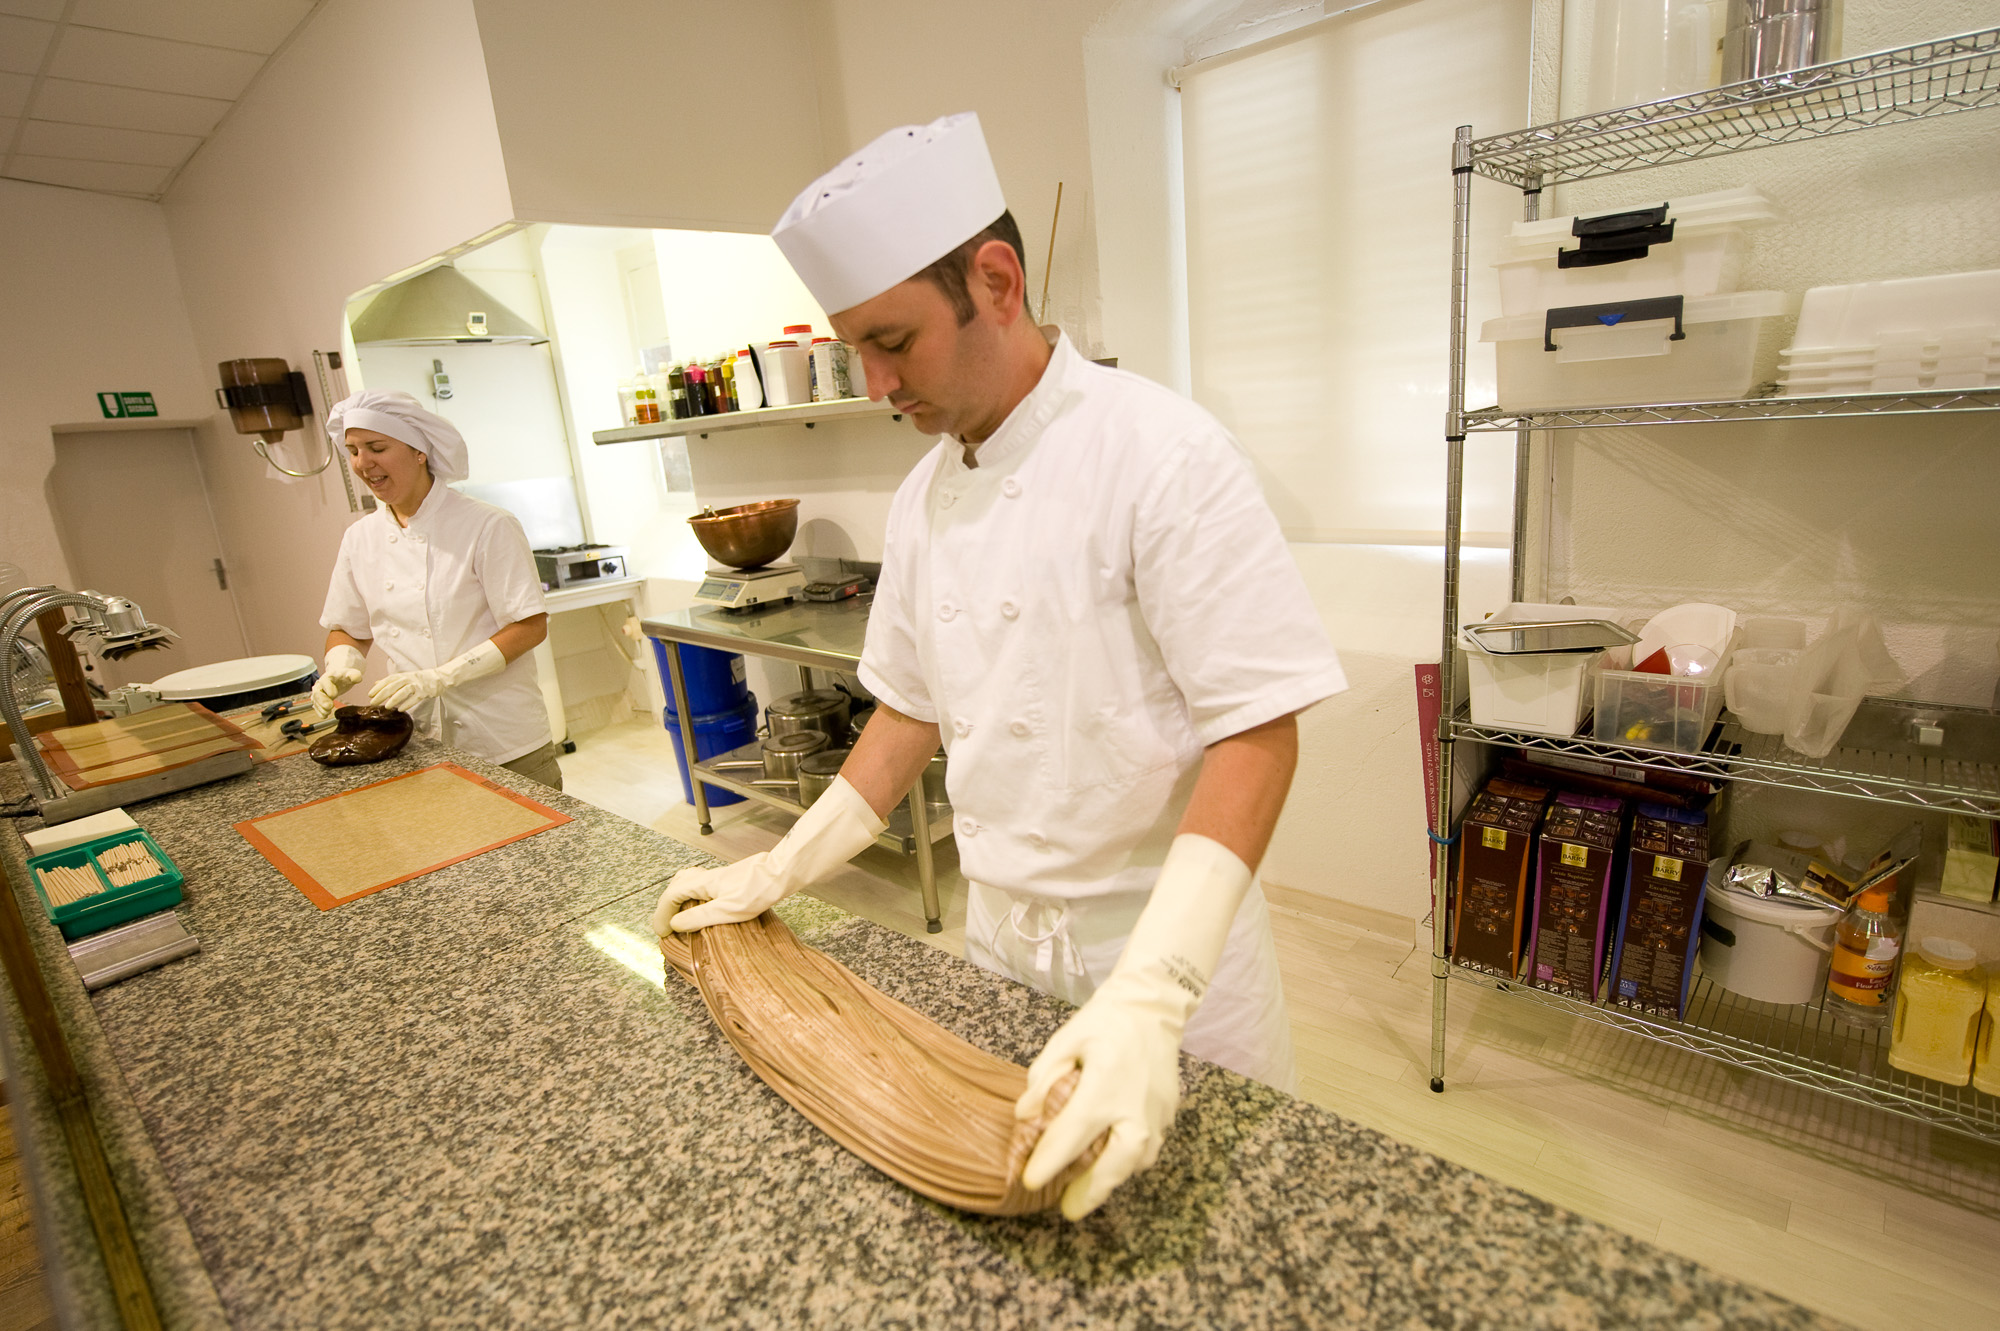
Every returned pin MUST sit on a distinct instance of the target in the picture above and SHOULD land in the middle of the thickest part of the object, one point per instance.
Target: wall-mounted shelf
(1498, 419)
(805, 413)
(1888, 87)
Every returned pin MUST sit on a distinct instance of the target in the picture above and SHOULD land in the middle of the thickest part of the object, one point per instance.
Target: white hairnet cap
(891, 210)
(398, 416)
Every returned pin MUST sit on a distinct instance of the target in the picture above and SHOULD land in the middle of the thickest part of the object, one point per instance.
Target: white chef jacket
(460, 572)
(1105, 595)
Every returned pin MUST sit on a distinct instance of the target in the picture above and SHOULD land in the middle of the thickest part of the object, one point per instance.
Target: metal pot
(823, 710)
(749, 535)
(780, 758)
(934, 791)
(817, 771)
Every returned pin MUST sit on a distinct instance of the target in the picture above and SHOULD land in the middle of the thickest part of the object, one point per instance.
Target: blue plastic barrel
(714, 679)
(725, 712)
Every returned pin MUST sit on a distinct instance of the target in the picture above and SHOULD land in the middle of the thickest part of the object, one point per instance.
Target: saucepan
(817, 771)
(780, 760)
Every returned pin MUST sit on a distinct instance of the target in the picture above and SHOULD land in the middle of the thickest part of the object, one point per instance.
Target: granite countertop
(475, 1100)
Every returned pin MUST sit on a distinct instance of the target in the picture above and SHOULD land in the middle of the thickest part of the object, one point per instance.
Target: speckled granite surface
(475, 1100)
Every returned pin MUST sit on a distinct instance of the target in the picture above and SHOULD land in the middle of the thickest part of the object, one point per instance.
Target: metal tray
(1544, 637)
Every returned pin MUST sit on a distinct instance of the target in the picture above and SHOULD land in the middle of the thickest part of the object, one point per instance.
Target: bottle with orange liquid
(1866, 945)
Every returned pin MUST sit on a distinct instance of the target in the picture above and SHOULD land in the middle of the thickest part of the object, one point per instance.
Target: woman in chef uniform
(1063, 604)
(446, 584)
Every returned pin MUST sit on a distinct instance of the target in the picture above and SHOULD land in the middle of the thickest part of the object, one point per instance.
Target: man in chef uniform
(1085, 597)
(445, 583)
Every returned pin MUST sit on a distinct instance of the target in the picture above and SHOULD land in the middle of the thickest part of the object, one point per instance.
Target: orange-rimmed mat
(360, 841)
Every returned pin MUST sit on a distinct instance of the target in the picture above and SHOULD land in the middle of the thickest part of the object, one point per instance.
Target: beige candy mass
(895, 1088)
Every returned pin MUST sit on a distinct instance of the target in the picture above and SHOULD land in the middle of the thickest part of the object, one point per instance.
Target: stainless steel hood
(435, 308)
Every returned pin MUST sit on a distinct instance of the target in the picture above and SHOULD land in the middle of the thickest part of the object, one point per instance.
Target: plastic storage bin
(1543, 693)
(112, 904)
(1772, 951)
(1627, 352)
(1904, 335)
(1572, 260)
(1659, 711)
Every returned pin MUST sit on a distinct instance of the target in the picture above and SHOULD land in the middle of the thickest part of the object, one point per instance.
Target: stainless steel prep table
(812, 635)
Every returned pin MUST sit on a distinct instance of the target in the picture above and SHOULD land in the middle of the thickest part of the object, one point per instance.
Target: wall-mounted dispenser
(266, 397)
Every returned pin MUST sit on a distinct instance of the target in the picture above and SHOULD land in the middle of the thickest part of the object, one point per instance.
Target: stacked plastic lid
(1908, 335)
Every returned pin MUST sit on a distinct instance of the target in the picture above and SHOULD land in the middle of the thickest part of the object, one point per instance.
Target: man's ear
(996, 281)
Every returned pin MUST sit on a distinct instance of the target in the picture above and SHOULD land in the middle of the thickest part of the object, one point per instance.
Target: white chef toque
(891, 210)
(398, 416)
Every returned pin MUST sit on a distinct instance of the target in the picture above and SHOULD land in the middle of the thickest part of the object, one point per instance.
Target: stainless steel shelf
(1888, 87)
(1497, 419)
(805, 413)
(1735, 754)
(1803, 1045)
(898, 836)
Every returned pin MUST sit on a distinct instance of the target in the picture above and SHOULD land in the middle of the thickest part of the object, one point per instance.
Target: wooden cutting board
(171, 735)
(346, 846)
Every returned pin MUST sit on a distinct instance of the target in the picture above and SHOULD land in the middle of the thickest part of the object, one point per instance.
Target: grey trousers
(540, 765)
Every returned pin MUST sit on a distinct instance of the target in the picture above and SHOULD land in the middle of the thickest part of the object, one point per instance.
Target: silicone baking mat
(168, 736)
(360, 841)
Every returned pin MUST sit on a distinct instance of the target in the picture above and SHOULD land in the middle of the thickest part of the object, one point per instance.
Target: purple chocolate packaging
(1659, 927)
(1575, 907)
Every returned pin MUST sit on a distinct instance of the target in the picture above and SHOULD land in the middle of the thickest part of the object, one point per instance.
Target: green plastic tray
(114, 905)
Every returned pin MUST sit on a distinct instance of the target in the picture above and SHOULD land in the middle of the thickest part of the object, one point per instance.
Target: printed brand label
(1576, 856)
(1666, 870)
(1493, 838)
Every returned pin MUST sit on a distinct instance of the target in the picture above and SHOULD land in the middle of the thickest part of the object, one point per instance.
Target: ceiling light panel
(240, 25)
(95, 56)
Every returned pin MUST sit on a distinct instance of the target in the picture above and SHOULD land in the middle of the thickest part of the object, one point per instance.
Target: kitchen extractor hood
(438, 307)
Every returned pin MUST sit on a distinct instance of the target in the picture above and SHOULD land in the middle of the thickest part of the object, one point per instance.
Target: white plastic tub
(1704, 258)
(1772, 951)
(1633, 359)
(1542, 693)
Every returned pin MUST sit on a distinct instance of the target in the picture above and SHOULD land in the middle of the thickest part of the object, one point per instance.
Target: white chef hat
(891, 210)
(398, 416)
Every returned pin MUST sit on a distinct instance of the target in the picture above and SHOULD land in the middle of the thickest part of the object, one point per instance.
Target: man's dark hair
(952, 273)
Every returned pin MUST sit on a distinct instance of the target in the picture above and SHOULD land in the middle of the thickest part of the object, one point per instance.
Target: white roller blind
(1318, 178)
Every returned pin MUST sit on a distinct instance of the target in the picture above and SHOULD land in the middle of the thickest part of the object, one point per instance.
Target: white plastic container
(1772, 951)
(1704, 258)
(786, 379)
(1542, 693)
(1907, 309)
(1632, 360)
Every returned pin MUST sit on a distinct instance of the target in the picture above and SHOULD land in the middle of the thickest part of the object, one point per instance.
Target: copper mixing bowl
(749, 535)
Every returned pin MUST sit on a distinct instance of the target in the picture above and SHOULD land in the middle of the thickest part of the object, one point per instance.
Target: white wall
(92, 303)
(367, 145)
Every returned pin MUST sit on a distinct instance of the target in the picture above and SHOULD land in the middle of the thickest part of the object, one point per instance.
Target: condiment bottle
(645, 402)
(1986, 1055)
(1938, 1003)
(628, 402)
(729, 402)
(749, 387)
(697, 391)
(1866, 944)
(677, 398)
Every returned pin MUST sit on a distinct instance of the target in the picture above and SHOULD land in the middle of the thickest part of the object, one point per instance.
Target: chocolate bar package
(1496, 843)
(1665, 879)
(1575, 905)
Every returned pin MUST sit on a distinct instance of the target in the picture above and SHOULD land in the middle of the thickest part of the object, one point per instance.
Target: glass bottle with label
(1866, 944)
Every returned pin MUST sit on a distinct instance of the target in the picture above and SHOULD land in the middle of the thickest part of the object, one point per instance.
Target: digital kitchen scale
(739, 588)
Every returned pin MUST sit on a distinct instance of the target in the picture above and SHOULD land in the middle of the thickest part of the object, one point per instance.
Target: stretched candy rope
(895, 1088)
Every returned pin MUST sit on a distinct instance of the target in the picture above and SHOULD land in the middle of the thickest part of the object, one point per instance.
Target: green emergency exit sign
(114, 405)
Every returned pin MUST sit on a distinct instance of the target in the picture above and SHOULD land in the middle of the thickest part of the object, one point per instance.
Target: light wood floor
(1847, 1210)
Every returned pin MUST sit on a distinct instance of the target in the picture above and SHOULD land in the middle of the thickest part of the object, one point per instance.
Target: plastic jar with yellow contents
(1986, 1063)
(1938, 1005)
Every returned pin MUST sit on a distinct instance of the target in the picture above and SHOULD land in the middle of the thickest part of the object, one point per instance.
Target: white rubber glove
(341, 672)
(837, 827)
(1127, 1038)
(403, 691)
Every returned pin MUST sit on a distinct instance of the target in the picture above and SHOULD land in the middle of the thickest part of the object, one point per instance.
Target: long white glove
(403, 691)
(1127, 1037)
(341, 672)
(837, 827)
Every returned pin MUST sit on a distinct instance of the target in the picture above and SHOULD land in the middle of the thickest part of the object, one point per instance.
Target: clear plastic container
(1938, 1004)
(1659, 711)
(1704, 258)
(1861, 979)
(1617, 360)
(1986, 1053)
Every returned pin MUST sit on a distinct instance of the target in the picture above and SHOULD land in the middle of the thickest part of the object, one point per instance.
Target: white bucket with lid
(1774, 951)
